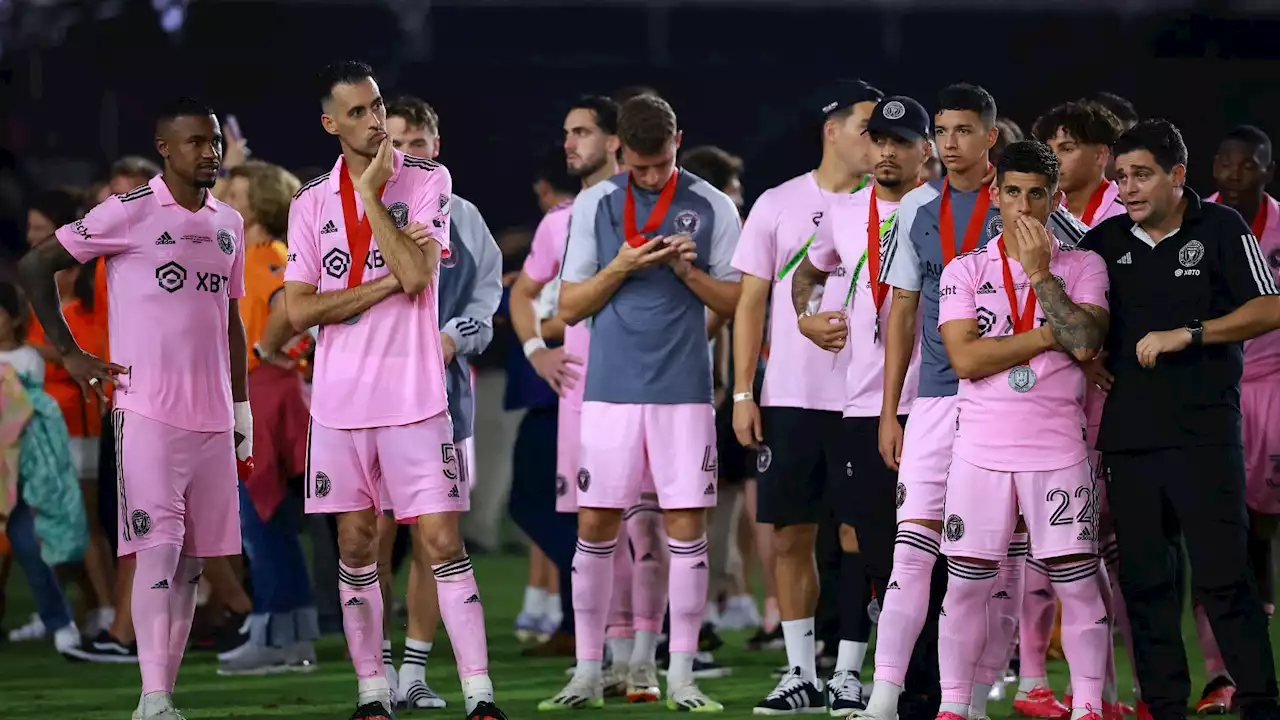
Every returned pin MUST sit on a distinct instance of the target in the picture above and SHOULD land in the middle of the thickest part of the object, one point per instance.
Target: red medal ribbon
(1027, 320)
(1260, 220)
(359, 232)
(947, 226)
(879, 290)
(1095, 201)
(636, 238)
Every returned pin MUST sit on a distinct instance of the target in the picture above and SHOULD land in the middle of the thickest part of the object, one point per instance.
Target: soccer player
(379, 406)
(1019, 443)
(1189, 285)
(798, 431)
(175, 261)
(1241, 170)
(1080, 135)
(849, 237)
(935, 223)
(647, 398)
(469, 293)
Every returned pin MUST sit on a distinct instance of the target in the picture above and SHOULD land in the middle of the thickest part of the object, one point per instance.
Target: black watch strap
(1196, 328)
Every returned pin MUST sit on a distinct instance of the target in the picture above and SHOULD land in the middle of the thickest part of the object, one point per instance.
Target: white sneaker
(579, 694)
(393, 682)
(740, 613)
(419, 696)
(66, 638)
(642, 684)
(34, 630)
(688, 698)
(615, 679)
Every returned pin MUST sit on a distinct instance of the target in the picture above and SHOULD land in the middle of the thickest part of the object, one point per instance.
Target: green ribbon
(885, 226)
(804, 249)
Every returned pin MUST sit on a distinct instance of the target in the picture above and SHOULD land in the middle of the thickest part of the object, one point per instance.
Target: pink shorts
(1260, 404)
(175, 487)
(417, 464)
(568, 450)
(622, 443)
(466, 460)
(1060, 507)
(926, 455)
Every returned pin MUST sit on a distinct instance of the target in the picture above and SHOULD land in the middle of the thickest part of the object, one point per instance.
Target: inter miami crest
(687, 222)
(226, 241)
(954, 528)
(141, 523)
(584, 479)
(399, 213)
(322, 485)
(902, 495)
(764, 458)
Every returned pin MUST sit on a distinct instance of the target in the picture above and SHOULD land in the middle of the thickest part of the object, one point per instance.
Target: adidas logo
(942, 612)
(329, 227)
(711, 489)
(1085, 534)
(1103, 621)
(986, 289)
(648, 557)
(1002, 595)
(892, 586)
(454, 492)
(700, 565)
(354, 602)
(809, 634)
(1127, 259)
(162, 585)
(472, 599)
(165, 239)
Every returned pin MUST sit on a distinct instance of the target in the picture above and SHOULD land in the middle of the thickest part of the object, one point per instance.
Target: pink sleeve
(304, 242)
(1091, 284)
(432, 204)
(823, 253)
(755, 252)
(101, 233)
(547, 248)
(237, 263)
(956, 292)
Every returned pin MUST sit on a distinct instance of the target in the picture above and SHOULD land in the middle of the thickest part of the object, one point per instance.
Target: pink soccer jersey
(171, 272)
(1108, 208)
(543, 265)
(1004, 422)
(799, 374)
(842, 240)
(1262, 354)
(383, 367)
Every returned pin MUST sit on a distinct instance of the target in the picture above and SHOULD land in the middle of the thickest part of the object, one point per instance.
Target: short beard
(206, 184)
(586, 170)
(890, 182)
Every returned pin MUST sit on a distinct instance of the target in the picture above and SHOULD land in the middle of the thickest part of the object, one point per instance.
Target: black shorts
(735, 463)
(869, 502)
(800, 464)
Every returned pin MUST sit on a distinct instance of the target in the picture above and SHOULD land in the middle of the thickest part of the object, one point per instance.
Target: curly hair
(271, 188)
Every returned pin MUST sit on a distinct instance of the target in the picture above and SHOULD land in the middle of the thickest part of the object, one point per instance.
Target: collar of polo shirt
(1191, 214)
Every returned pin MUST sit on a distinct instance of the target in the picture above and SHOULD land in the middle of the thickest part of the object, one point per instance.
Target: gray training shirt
(913, 261)
(470, 292)
(649, 341)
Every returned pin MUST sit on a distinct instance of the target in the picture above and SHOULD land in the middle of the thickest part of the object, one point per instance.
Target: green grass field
(35, 682)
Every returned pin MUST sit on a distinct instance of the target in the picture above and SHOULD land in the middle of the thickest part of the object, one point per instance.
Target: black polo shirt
(1206, 269)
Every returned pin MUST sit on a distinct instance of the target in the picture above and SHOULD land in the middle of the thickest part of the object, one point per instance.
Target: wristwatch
(1196, 328)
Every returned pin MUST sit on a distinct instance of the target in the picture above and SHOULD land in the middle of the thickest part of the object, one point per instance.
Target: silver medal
(1022, 378)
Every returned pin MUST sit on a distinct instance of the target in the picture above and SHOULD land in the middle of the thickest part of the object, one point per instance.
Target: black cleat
(486, 711)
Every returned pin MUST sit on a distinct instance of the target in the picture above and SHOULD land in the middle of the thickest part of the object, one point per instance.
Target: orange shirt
(263, 277)
(84, 418)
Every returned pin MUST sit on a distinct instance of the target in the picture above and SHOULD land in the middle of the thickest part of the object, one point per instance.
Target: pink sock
(1038, 610)
(361, 598)
(651, 569)
(1002, 613)
(592, 590)
(1085, 630)
(688, 584)
(182, 610)
(463, 615)
(1213, 664)
(1104, 589)
(152, 601)
(1119, 611)
(906, 600)
(962, 629)
(621, 623)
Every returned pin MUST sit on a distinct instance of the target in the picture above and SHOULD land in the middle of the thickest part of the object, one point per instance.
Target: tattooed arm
(1080, 329)
(806, 279)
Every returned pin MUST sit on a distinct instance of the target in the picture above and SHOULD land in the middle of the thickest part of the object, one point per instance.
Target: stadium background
(79, 81)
